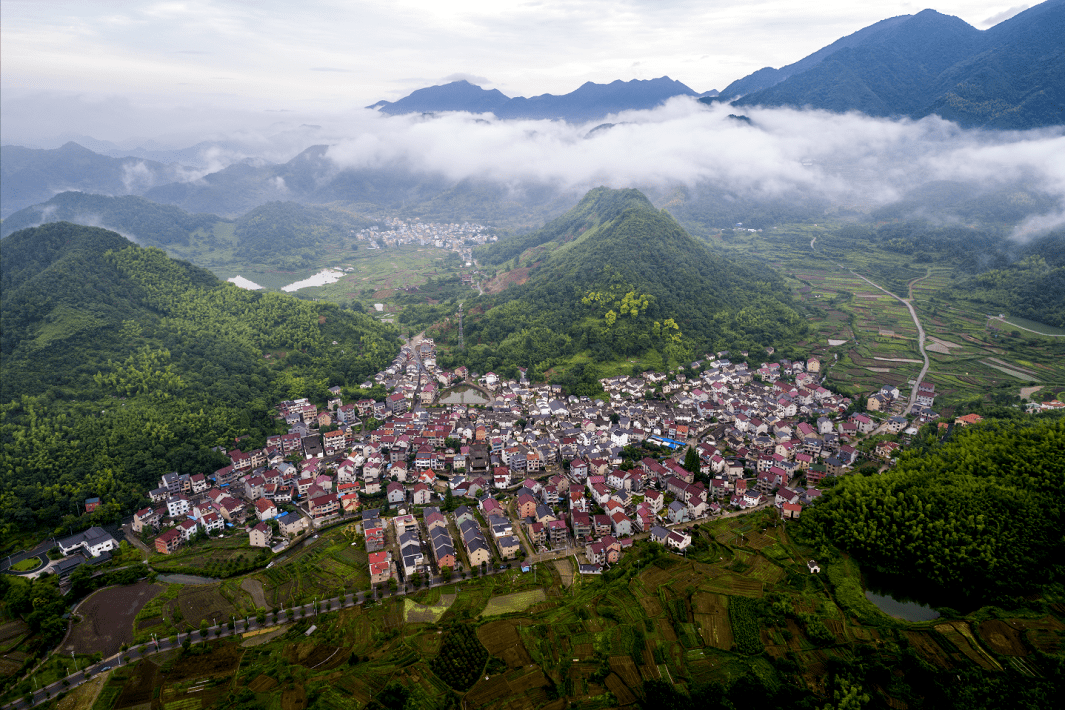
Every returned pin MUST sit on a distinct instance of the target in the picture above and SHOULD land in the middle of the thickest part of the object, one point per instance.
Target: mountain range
(590, 102)
(1011, 76)
(29, 176)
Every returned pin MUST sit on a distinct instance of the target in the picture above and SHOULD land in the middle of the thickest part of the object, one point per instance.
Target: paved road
(40, 552)
(916, 321)
(920, 334)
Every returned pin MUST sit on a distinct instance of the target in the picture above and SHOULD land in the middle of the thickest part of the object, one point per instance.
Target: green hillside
(626, 281)
(120, 364)
(599, 205)
(286, 232)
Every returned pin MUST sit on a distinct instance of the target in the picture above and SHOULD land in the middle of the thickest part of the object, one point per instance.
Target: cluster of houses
(455, 237)
(887, 401)
(531, 463)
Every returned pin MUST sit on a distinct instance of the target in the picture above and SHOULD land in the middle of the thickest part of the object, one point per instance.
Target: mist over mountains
(853, 128)
(588, 103)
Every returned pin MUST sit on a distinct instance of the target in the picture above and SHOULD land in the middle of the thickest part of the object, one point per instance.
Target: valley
(433, 357)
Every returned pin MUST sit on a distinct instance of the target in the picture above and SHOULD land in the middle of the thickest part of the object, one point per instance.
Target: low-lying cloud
(845, 159)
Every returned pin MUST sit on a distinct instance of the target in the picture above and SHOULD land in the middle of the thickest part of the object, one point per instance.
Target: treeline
(977, 516)
(120, 364)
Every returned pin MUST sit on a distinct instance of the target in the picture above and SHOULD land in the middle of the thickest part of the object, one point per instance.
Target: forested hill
(145, 221)
(277, 229)
(629, 282)
(979, 516)
(600, 205)
(120, 364)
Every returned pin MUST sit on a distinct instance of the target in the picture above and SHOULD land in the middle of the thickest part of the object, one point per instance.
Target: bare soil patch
(1045, 634)
(294, 698)
(565, 570)
(621, 691)
(1027, 392)
(12, 630)
(255, 588)
(261, 684)
(204, 602)
(107, 618)
(502, 639)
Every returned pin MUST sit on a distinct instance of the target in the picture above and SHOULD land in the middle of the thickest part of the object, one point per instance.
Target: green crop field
(510, 603)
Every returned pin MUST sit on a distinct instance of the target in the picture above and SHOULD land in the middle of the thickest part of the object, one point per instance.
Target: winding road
(913, 314)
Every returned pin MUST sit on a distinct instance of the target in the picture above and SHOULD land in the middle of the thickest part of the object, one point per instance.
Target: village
(517, 473)
(454, 237)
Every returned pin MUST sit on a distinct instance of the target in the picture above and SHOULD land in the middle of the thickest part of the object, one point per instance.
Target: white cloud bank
(843, 158)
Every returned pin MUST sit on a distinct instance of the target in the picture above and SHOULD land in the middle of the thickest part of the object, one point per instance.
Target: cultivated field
(510, 603)
(107, 618)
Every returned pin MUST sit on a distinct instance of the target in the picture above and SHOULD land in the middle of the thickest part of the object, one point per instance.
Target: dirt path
(1014, 325)
(909, 286)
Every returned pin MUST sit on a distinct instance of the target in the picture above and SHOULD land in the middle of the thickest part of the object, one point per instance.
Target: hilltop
(615, 277)
(29, 176)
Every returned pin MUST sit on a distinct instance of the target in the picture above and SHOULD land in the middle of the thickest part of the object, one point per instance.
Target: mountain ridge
(590, 101)
(1005, 77)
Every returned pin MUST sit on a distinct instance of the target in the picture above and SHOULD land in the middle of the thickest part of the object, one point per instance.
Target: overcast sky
(104, 67)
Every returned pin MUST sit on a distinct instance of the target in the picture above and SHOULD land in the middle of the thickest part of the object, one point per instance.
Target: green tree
(691, 460)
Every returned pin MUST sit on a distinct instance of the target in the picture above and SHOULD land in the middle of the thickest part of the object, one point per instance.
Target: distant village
(528, 474)
(460, 238)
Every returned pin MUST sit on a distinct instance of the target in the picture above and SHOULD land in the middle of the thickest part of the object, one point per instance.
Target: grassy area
(1032, 325)
(511, 603)
(27, 565)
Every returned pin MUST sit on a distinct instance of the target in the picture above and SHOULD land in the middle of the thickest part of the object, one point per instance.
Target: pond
(906, 610)
(897, 597)
(463, 394)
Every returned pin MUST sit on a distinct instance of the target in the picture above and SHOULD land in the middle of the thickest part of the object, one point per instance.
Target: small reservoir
(463, 394)
(905, 610)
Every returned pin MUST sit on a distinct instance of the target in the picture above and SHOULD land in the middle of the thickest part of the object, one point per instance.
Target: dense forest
(978, 515)
(627, 281)
(295, 235)
(120, 364)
